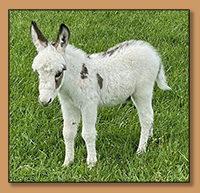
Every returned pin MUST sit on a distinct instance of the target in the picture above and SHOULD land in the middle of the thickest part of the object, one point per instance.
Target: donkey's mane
(75, 52)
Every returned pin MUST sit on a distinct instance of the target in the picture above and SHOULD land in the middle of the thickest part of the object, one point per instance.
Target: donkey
(85, 82)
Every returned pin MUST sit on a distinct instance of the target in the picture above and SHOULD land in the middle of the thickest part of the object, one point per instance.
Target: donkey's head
(50, 62)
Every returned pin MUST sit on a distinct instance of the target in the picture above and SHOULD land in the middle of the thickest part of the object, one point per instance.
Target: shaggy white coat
(84, 82)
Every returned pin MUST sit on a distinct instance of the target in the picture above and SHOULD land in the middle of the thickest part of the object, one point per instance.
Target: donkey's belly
(111, 97)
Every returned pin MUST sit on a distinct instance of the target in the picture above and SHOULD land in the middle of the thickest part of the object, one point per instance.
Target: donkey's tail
(161, 80)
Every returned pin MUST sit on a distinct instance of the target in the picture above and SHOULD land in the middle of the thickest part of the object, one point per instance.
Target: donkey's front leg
(71, 117)
(89, 116)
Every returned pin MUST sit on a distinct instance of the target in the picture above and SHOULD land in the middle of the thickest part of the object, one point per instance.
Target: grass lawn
(36, 146)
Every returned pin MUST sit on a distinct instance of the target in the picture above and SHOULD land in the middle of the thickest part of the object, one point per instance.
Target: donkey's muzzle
(45, 103)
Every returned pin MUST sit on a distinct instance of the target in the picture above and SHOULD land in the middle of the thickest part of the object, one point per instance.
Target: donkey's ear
(62, 38)
(38, 38)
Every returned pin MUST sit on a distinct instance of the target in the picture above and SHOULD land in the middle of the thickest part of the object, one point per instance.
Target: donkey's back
(126, 69)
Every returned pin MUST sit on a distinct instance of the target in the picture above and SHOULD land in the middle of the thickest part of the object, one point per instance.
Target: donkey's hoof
(140, 151)
(67, 163)
(91, 163)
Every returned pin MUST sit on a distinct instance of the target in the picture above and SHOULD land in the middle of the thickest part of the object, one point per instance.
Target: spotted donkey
(85, 82)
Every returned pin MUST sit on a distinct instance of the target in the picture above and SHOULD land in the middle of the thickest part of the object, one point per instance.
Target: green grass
(36, 147)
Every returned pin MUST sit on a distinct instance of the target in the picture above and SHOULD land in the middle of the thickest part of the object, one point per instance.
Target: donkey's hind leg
(143, 104)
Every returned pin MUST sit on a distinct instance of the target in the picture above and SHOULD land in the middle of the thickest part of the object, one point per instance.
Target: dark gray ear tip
(33, 23)
(63, 26)
(40, 36)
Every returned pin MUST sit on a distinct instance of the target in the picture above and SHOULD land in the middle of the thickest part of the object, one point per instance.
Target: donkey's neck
(75, 58)
(76, 53)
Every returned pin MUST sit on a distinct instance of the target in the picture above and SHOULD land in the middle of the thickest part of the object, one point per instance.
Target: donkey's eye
(58, 74)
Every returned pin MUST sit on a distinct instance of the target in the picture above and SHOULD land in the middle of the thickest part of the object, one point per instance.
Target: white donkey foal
(84, 82)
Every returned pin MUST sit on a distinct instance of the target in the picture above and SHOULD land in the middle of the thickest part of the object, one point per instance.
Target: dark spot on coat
(100, 81)
(84, 72)
(110, 52)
